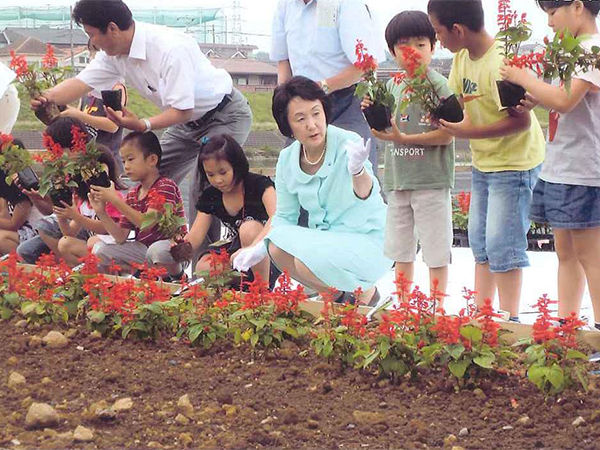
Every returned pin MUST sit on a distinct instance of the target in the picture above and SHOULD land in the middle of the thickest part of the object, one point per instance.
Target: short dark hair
(301, 87)
(409, 24)
(593, 6)
(147, 143)
(463, 12)
(99, 13)
(226, 148)
(60, 131)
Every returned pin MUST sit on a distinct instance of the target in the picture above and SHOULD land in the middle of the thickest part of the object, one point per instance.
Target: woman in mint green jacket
(327, 173)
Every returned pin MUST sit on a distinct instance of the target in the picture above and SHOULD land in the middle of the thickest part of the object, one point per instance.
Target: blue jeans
(499, 217)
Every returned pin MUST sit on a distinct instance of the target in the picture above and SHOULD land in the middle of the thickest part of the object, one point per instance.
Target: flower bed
(292, 378)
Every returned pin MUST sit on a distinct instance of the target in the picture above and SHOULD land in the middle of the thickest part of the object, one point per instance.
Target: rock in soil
(15, 380)
(579, 421)
(186, 440)
(123, 404)
(184, 406)
(41, 415)
(55, 339)
(182, 420)
(83, 434)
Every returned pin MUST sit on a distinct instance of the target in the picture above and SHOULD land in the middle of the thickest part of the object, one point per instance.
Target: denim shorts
(49, 226)
(499, 217)
(566, 206)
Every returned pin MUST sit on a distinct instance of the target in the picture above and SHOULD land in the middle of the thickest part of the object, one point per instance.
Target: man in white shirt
(9, 100)
(317, 39)
(166, 67)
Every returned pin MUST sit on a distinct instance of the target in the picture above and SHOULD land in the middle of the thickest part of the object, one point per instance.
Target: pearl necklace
(308, 161)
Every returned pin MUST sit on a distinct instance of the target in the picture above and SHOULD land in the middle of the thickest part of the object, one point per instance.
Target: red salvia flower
(79, 140)
(489, 327)
(18, 63)
(49, 60)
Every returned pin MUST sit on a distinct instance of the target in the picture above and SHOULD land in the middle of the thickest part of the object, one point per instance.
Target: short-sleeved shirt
(319, 38)
(94, 106)
(255, 185)
(165, 67)
(163, 186)
(415, 167)
(573, 150)
(476, 82)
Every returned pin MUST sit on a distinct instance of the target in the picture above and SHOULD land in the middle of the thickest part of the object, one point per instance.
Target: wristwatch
(325, 86)
(148, 125)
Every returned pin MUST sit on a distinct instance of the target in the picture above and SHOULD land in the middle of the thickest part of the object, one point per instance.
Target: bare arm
(347, 77)
(430, 138)
(269, 199)
(198, 230)
(362, 184)
(18, 218)
(284, 71)
(550, 97)
(165, 119)
(511, 124)
(98, 122)
(118, 233)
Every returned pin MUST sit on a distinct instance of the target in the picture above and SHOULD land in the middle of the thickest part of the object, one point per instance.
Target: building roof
(32, 47)
(244, 66)
(47, 35)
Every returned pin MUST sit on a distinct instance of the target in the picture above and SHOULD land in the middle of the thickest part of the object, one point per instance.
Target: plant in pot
(38, 77)
(57, 179)
(89, 171)
(514, 31)
(14, 160)
(163, 215)
(417, 86)
(379, 114)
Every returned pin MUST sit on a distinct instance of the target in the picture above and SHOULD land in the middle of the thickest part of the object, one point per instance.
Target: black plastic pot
(28, 179)
(82, 189)
(112, 99)
(510, 94)
(61, 195)
(450, 110)
(100, 180)
(378, 116)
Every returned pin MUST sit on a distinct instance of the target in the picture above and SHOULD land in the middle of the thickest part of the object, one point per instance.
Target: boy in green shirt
(507, 149)
(419, 168)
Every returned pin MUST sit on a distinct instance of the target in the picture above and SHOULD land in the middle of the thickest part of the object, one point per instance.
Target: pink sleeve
(113, 212)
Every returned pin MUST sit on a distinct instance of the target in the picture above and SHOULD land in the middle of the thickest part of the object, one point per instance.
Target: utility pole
(72, 52)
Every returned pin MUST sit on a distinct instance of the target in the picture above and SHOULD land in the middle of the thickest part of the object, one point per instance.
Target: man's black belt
(199, 123)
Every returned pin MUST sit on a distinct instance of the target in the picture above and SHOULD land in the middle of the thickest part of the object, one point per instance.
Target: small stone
(55, 339)
(463, 432)
(27, 402)
(15, 442)
(41, 415)
(184, 406)
(507, 428)
(182, 420)
(70, 333)
(350, 426)
(123, 404)
(579, 421)
(46, 381)
(383, 383)
(15, 380)
(173, 362)
(83, 434)
(225, 399)
(450, 440)
(107, 414)
(383, 405)
(154, 444)
(523, 420)
(479, 394)
(187, 366)
(95, 335)
(266, 421)
(367, 418)
(456, 447)
(312, 424)
(290, 417)
(49, 433)
(186, 439)
(230, 410)
(21, 324)
(12, 361)
(35, 342)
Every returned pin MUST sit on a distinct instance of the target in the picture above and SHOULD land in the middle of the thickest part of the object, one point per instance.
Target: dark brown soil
(269, 401)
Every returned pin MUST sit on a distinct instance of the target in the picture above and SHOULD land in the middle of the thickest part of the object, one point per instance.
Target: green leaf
(194, 332)
(574, 354)
(27, 308)
(96, 316)
(369, 359)
(254, 340)
(5, 313)
(267, 340)
(485, 360)
(384, 348)
(456, 351)
(472, 333)
(459, 368)
(556, 376)
(537, 375)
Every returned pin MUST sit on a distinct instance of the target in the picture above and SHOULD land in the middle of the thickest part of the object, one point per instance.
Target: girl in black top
(243, 201)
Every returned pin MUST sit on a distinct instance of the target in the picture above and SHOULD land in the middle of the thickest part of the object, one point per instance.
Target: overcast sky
(257, 14)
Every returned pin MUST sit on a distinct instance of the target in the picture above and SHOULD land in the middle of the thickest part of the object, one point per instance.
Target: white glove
(358, 153)
(249, 257)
